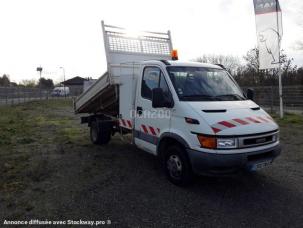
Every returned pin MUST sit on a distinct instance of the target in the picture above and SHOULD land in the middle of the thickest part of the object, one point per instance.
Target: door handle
(139, 110)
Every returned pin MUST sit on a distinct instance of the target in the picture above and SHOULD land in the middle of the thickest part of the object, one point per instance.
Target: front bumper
(224, 163)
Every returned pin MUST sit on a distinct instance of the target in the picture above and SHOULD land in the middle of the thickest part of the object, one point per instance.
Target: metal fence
(266, 96)
(16, 95)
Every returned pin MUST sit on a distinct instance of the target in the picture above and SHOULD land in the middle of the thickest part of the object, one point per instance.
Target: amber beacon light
(174, 54)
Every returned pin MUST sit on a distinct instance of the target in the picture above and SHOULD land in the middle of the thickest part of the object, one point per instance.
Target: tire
(100, 133)
(177, 166)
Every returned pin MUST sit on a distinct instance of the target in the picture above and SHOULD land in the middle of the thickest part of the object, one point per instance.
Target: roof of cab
(192, 64)
(184, 63)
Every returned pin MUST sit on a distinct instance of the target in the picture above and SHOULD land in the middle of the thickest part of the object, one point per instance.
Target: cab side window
(150, 81)
(153, 78)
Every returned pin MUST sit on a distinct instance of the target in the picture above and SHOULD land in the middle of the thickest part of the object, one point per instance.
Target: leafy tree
(4, 80)
(45, 83)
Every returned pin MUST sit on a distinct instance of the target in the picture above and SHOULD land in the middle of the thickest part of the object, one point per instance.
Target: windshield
(204, 84)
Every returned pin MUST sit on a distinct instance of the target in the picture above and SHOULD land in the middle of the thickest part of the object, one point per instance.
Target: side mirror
(250, 94)
(159, 100)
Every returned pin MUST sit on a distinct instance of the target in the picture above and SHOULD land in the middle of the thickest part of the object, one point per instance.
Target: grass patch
(39, 171)
(25, 140)
(20, 122)
(13, 123)
(26, 129)
(46, 104)
(70, 134)
(13, 186)
(289, 118)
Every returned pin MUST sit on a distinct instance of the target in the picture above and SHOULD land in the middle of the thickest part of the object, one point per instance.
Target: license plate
(260, 165)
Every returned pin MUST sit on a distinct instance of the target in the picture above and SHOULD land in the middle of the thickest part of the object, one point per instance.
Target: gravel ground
(57, 174)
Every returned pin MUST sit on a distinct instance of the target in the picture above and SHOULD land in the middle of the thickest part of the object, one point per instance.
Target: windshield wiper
(233, 95)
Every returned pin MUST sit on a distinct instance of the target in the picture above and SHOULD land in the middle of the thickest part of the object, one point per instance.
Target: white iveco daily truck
(193, 116)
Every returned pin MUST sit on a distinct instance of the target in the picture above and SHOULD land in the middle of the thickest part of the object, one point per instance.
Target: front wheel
(177, 166)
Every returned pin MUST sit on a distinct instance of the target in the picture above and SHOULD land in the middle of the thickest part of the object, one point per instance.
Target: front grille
(258, 140)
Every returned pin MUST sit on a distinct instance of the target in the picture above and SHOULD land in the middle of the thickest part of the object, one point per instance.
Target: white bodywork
(123, 47)
(87, 84)
(177, 125)
(124, 52)
(127, 58)
(60, 91)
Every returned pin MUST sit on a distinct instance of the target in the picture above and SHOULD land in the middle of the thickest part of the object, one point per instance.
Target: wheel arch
(170, 138)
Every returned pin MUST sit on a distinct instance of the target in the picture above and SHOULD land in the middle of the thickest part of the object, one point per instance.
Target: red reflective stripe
(216, 129)
(253, 120)
(261, 118)
(226, 124)
(240, 121)
(123, 122)
(129, 123)
(152, 130)
(144, 129)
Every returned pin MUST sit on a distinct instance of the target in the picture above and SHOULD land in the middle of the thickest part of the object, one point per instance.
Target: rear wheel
(100, 133)
(177, 166)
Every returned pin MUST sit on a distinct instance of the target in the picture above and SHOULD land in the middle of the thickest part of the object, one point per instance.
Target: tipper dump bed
(123, 53)
(102, 95)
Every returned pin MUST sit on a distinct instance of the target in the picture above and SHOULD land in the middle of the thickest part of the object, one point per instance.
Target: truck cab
(200, 109)
(192, 116)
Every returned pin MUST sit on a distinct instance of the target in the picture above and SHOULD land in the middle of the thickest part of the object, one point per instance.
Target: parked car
(60, 92)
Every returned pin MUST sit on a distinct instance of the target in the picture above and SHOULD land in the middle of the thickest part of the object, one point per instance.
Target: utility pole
(280, 63)
(63, 81)
(280, 92)
(39, 69)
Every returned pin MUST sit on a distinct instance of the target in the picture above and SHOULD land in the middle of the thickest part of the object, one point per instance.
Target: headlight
(227, 143)
(275, 137)
(211, 142)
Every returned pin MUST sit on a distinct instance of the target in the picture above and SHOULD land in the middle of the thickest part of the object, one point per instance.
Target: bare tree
(249, 74)
(28, 83)
(252, 59)
(253, 76)
(231, 63)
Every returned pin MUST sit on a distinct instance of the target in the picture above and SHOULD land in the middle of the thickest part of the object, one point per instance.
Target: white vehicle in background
(193, 116)
(60, 92)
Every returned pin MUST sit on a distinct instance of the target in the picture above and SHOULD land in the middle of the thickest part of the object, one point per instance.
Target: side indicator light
(191, 121)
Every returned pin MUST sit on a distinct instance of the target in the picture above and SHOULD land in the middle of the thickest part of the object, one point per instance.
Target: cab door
(151, 122)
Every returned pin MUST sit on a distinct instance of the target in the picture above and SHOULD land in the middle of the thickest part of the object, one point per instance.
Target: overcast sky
(54, 33)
